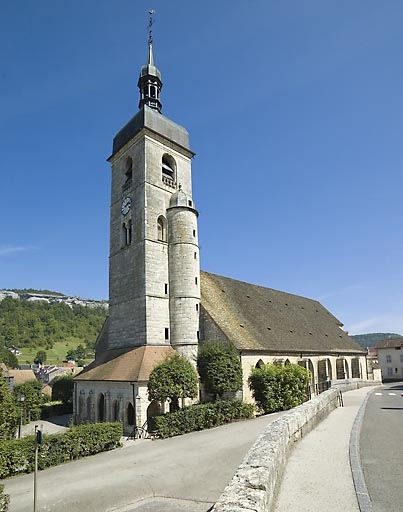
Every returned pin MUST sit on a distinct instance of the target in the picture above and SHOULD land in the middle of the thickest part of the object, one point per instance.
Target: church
(160, 301)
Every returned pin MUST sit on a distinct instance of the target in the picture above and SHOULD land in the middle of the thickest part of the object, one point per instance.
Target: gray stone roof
(156, 122)
(390, 343)
(259, 319)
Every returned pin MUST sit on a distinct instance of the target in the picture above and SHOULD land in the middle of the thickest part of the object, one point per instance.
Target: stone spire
(149, 83)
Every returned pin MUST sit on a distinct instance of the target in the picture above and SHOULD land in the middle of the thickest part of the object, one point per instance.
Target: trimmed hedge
(55, 409)
(278, 388)
(201, 416)
(18, 455)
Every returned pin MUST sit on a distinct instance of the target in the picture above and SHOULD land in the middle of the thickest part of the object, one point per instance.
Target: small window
(194, 232)
(195, 280)
(195, 255)
(166, 333)
(168, 167)
(197, 307)
(166, 288)
(388, 359)
(401, 358)
(128, 168)
(161, 229)
(127, 233)
(390, 372)
(198, 335)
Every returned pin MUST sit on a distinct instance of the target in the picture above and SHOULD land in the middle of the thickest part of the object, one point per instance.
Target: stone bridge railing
(254, 485)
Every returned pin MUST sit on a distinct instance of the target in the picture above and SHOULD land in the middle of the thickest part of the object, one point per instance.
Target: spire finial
(150, 78)
(150, 26)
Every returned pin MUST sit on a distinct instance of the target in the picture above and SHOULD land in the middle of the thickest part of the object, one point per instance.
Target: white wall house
(390, 358)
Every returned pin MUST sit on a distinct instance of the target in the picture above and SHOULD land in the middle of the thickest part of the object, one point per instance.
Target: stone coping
(253, 487)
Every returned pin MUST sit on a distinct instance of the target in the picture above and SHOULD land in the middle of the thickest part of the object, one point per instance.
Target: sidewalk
(318, 475)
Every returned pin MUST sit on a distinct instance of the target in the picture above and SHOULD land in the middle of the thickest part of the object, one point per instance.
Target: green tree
(62, 389)
(78, 353)
(8, 411)
(219, 367)
(8, 358)
(33, 399)
(174, 378)
(40, 357)
(278, 388)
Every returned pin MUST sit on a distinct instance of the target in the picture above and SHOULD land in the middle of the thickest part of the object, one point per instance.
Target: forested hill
(371, 339)
(25, 323)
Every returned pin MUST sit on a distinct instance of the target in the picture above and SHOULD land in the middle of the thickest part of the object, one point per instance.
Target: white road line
(392, 394)
(379, 394)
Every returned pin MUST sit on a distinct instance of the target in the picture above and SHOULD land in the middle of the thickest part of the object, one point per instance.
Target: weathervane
(150, 26)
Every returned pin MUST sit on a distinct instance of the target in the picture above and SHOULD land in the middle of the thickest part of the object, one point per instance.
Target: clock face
(126, 205)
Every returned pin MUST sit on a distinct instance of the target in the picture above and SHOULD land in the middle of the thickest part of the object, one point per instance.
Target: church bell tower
(154, 273)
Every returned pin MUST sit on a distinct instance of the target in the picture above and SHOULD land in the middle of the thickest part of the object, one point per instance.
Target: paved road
(381, 448)
(183, 473)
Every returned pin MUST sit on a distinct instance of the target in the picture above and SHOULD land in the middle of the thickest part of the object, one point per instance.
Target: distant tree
(40, 357)
(219, 367)
(8, 411)
(33, 399)
(78, 353)
(8, 358)
(174, 378)
(62, 389)
(278, 388)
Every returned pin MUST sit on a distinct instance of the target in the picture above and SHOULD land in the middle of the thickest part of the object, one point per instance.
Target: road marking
(392, 394)
(379, 394)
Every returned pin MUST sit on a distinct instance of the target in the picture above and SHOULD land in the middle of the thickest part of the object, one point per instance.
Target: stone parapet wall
(253, 487)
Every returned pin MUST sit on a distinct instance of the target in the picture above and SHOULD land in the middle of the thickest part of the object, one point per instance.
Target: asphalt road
(381, 448)
(188, 472)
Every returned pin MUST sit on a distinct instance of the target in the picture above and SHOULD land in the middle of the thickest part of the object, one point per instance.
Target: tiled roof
(390, 343)
(22, 376)
(255, 318)
(125, 364)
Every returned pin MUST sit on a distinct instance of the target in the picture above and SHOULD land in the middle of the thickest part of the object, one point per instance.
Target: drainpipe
(134, 408)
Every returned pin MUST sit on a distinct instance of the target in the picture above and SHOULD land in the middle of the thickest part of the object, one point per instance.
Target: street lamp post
(21, 399)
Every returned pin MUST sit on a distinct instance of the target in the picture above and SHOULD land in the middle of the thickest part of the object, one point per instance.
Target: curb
(361, 491)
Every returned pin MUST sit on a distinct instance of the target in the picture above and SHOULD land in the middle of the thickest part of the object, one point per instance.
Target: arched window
(101, 407)
(127, 233)
(161, 229)
(128, 168)
(130, 414)
(259, 364)
(168, 167)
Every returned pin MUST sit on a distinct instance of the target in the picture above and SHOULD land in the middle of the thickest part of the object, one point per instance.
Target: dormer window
(168, 167)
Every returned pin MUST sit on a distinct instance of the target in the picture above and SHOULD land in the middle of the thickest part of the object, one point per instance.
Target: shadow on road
(62, 421)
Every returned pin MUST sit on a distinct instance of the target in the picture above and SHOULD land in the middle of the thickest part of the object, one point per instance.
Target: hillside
(32, 325)
(371, 339)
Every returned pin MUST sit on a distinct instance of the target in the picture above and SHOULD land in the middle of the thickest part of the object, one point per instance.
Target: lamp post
(21, 399)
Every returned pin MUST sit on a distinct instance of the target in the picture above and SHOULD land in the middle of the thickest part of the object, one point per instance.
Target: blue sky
(294, 111)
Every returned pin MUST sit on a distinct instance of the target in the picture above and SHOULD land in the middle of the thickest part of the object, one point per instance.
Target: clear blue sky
(294, 111)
